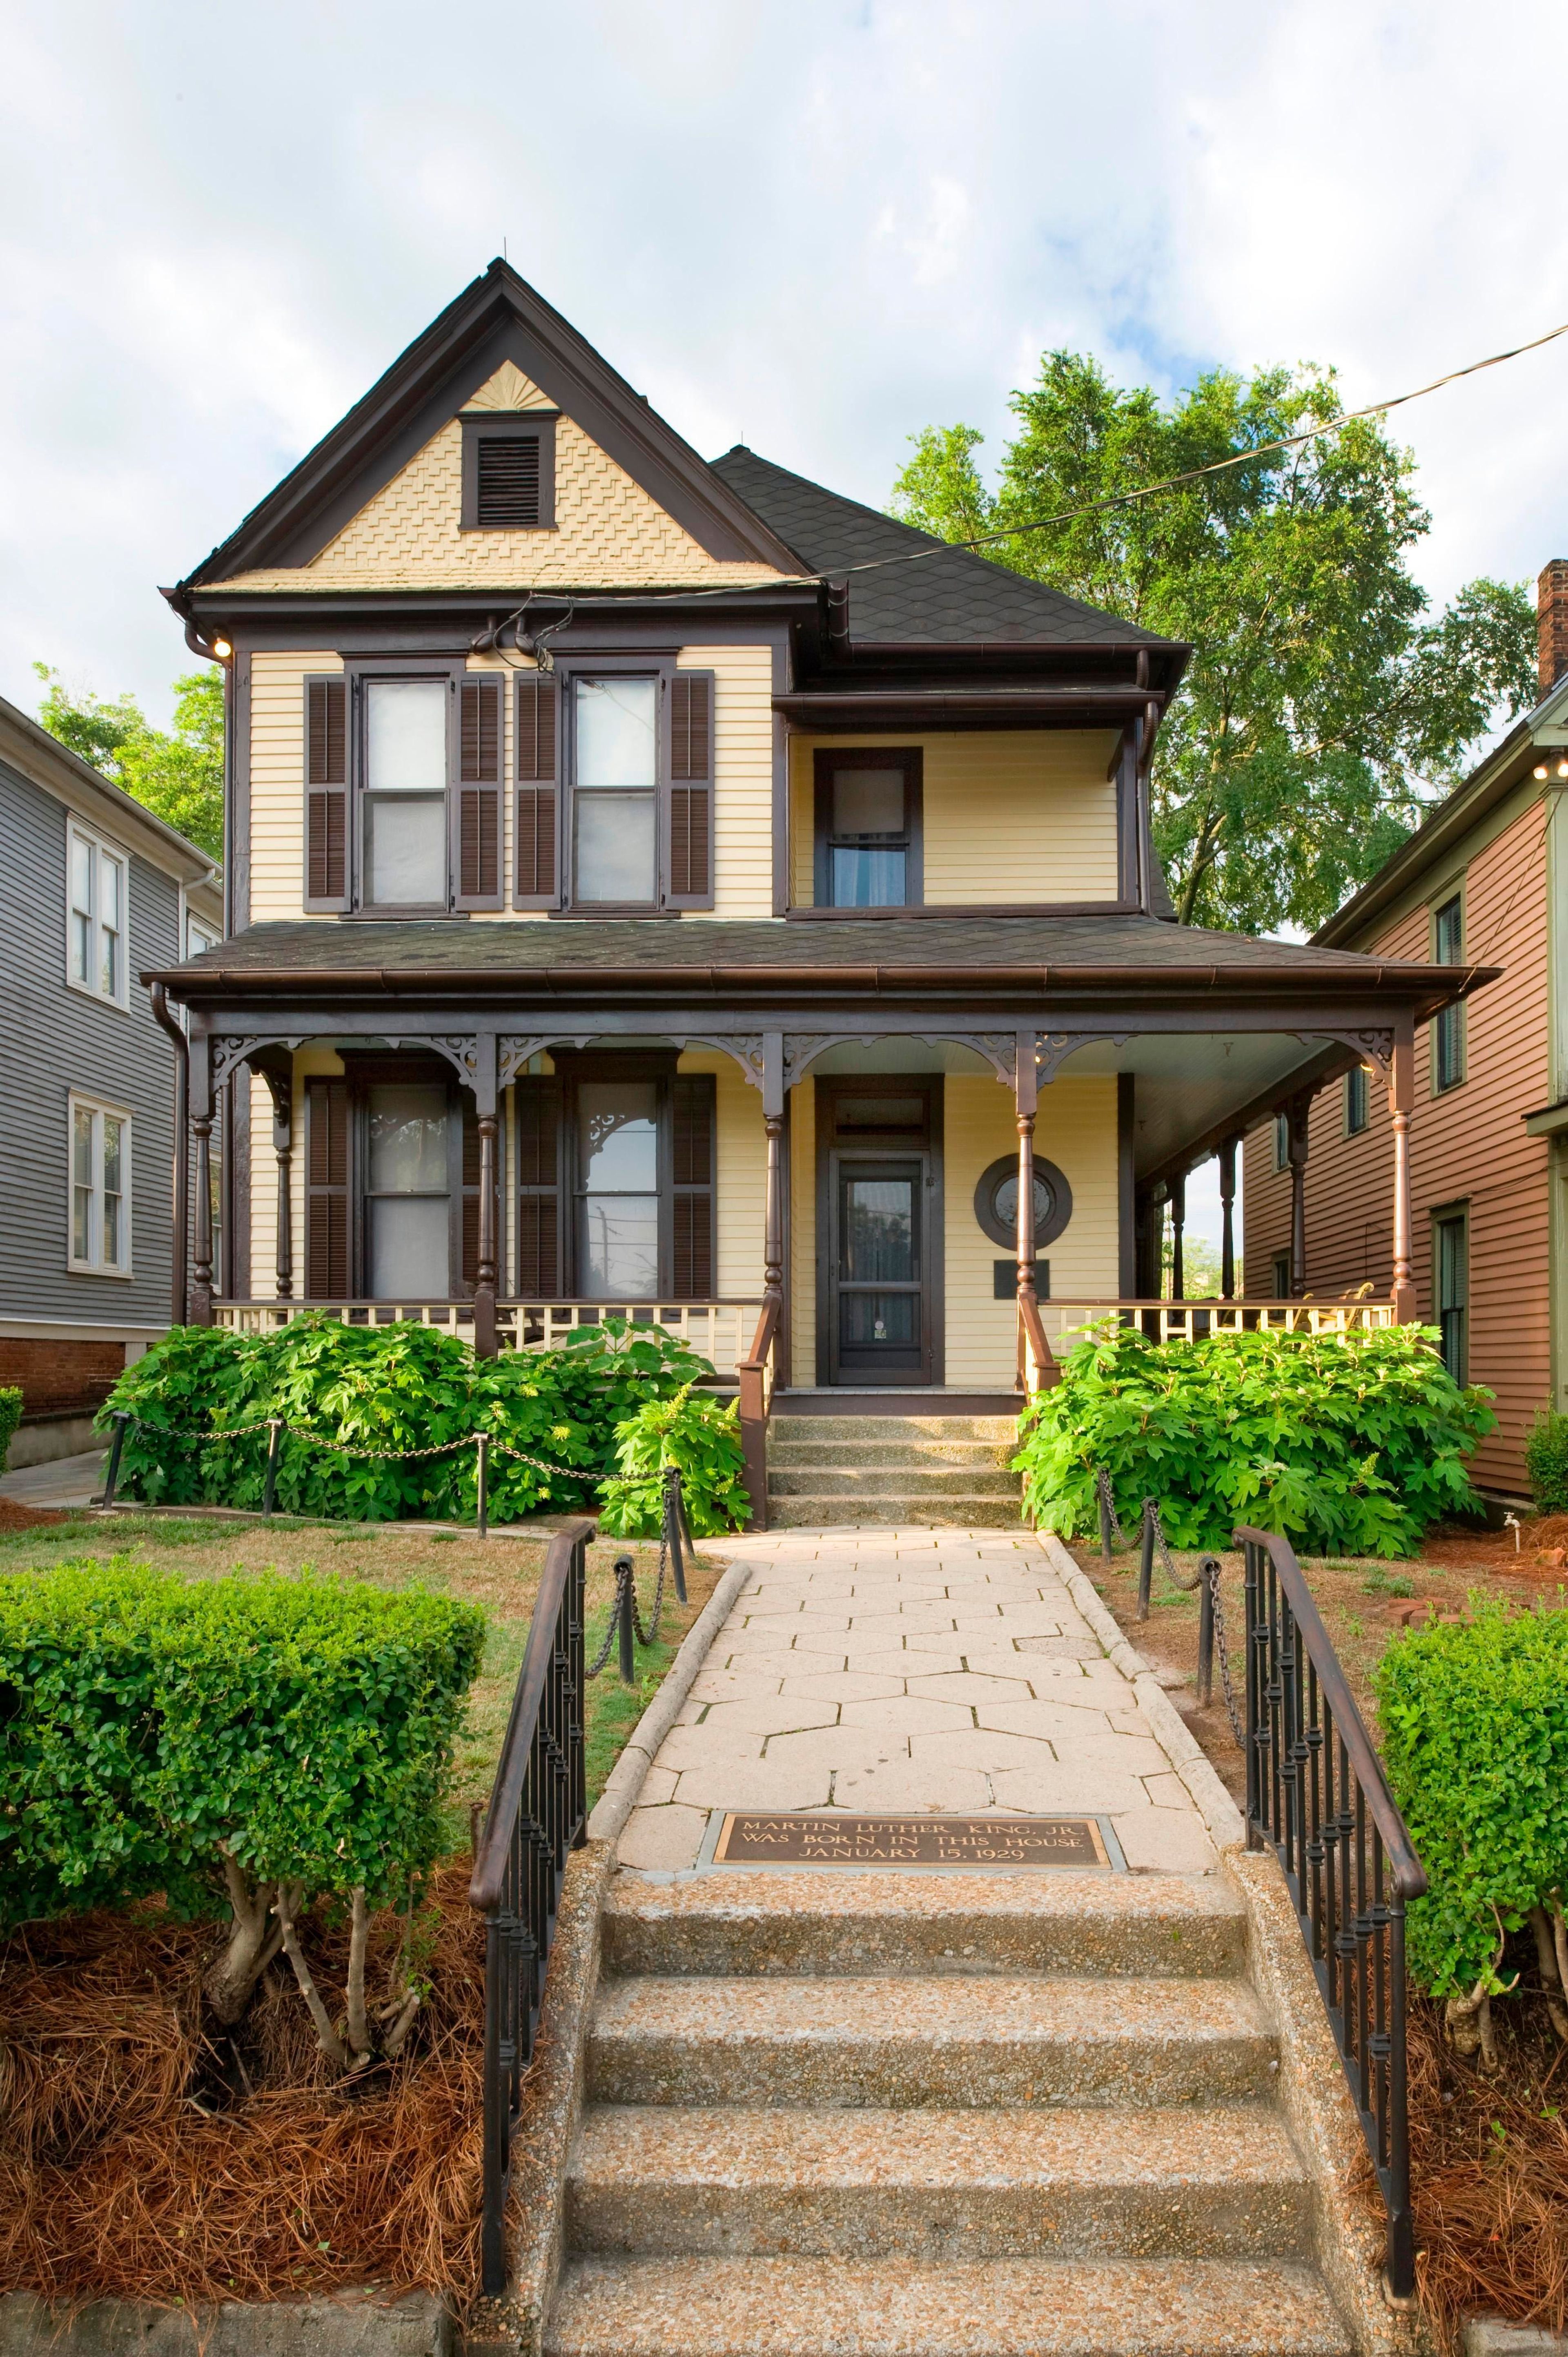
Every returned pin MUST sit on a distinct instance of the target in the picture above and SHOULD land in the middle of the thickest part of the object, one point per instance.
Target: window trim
(495, 424)
(80, 1100)
(1451, 1215)
(102, 848)
(1452, 896)
(910, 759)
(1351, 1129)
(367, 672)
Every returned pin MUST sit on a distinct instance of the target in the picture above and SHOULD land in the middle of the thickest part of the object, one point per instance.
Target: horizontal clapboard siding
(1468, 1145)
(743, 775)
(53, 1041)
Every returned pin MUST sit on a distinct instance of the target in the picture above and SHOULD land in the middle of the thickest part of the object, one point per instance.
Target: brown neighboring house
(1481, 883)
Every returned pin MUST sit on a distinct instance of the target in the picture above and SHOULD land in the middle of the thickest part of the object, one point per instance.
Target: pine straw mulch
(138, 2160)
(15, 1516)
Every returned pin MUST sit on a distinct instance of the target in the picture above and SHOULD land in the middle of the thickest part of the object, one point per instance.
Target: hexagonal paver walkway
(907, 1671)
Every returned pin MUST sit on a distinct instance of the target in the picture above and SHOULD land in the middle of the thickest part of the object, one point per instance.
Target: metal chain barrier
(1205, 1577)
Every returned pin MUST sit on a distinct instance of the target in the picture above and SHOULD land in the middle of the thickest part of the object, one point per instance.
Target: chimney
(1551, 622)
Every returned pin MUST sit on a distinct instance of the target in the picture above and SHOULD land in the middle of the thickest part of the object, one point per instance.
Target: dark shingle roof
(954, 598)
(1047, 950)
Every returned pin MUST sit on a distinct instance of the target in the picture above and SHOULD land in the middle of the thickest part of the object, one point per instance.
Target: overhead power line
(1067, 515)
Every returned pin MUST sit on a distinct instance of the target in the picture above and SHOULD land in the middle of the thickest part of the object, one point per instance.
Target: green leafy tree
(1322, 708)
(178, 775)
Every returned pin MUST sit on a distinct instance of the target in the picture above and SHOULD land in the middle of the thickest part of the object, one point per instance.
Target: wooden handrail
(1047, 1373)
(752, 1374)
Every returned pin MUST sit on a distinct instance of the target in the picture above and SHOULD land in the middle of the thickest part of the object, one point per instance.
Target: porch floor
(911, 1671)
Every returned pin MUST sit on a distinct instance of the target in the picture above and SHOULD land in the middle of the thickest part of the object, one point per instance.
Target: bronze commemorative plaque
(838, 1839)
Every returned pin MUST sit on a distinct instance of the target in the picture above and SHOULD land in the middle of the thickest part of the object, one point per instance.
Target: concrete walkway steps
(840, 2114)
(892, 1470)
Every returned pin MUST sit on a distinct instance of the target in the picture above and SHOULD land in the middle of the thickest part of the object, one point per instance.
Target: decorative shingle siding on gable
(608, 531)
(54, 1040)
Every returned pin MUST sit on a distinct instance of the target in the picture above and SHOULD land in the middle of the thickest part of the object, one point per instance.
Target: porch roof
(1026, 959)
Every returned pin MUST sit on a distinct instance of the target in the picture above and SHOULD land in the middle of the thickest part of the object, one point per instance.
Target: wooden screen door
(878, 1276)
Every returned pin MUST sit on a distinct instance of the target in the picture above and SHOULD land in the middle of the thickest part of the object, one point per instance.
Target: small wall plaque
(836, 1838)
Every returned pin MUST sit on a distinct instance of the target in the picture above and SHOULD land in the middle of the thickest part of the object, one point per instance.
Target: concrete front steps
(923, 2115)
(949, 1469)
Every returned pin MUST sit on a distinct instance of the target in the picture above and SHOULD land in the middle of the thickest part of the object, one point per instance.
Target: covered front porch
(903, 1187)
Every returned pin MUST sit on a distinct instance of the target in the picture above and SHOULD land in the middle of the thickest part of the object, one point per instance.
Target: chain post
(481, 1479)
(113, 1473)
(1146, 1560)
(1207, 1581)
(1104, 1521)
(625, 1606)
(673, 1528)
(275, 1445)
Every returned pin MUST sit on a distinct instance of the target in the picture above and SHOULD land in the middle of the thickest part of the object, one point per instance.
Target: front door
(878, 1265)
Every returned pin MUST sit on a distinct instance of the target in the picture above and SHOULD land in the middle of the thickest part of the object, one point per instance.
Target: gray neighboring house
(93, 889)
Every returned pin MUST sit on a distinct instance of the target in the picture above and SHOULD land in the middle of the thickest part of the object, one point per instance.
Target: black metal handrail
(537, 1816)
(1317, 1794)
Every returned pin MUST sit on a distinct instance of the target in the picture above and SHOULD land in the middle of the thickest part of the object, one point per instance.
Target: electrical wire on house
(489, 639)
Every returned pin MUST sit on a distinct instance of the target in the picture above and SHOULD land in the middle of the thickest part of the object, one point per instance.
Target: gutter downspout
(179, 1276)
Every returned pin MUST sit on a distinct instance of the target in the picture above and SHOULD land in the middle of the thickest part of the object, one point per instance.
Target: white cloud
(823, 227)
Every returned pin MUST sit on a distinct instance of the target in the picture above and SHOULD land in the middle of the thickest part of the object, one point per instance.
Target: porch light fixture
(222, 650)
(1540, 769)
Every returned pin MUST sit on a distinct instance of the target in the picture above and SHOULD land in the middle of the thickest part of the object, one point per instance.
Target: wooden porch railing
(720, 1330)
(1182, 1322)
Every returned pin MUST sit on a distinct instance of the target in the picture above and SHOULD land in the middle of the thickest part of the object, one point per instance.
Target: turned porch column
(1178, 1229)
(280, 1087)
(1032, 1332)
(488, 1119)
(1296, 1131)
(201, 1112)
(1227, 1219)
(1402, 1100)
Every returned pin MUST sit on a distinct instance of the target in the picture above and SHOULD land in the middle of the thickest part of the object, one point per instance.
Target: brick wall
(61, 1378)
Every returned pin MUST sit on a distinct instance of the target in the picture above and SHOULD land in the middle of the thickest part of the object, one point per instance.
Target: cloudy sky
(814, 228)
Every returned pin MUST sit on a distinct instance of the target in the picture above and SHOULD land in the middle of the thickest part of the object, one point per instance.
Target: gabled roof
(44, 761)
(950, 596)
(499, 318)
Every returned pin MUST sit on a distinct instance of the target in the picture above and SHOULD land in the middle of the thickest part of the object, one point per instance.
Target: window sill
(988, 909)
(96, 997)
(433, 915)
(617, 908)
(85, 1268)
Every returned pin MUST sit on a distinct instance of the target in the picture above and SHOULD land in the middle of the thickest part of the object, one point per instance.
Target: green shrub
(1546, 1462)
(10, 1416)
(1474, 1724)
(1350, 1445)
(396, 1389)
(699, 1434)
(221, 1742)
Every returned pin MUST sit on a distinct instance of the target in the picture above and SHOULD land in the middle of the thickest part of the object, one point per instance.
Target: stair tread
(969, 2009)
(753, 2306)
(724, 2146)
(1177, 1899)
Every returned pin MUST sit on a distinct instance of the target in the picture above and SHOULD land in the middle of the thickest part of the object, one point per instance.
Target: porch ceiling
(1190, 1083)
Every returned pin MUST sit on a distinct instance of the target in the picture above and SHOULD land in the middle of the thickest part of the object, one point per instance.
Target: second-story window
(405, 800)
(1448, 1023)
(614, 795)
(95, 935)
(868, 829)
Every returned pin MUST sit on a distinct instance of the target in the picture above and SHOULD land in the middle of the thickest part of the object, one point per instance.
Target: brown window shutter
(326, 793)
(326, 1255)
(538, 792)
(479, 820)
(692, 1124)
(691, 860)
(541, 1258)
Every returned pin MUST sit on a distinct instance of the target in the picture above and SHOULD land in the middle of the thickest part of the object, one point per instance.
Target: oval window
(996, 1201)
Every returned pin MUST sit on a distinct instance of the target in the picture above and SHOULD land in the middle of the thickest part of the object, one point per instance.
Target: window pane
(112, 1134)
(408, 1139)
(868, 879)
(408, 1259)
(109, 892)
(108, 962)
(1006, 1201)
(621, 1247)
(80, 875)
(82, 1147)
(615, 847)
(405, 853)
(868, 802)
(112, 1253)
(879, 1228)
(879, 1318)
(82, 1223)
(616, 725)
(81, 948)
(1449, 931)
(405, 736)
(618, 1130)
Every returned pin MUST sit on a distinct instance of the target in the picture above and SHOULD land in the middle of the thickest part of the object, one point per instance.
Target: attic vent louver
(509, 481)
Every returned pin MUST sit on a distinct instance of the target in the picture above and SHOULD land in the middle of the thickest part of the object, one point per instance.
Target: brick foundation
(60, 1378)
